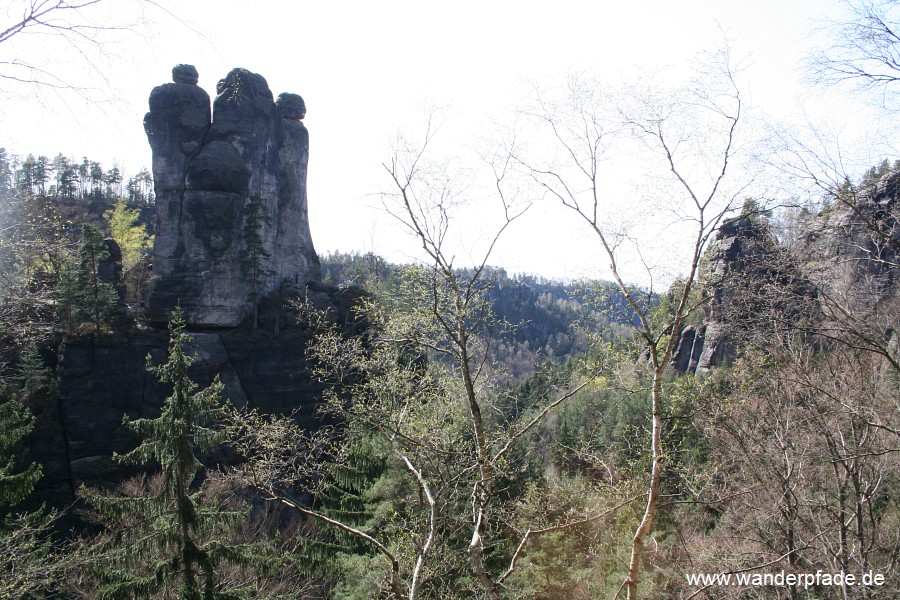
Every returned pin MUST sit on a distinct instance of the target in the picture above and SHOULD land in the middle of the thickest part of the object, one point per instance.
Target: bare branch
(536, 532)
(864, 49)
(537, 419)
(432, 525)
(669, 123)
(394, 581)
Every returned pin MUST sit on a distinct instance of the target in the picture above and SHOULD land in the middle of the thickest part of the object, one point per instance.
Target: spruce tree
(16, 480)
(170, 539)
(30, 566)
(82, 297)
(255, 257)
(17, 476)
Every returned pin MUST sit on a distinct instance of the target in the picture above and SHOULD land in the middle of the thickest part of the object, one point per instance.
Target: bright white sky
(368, 69)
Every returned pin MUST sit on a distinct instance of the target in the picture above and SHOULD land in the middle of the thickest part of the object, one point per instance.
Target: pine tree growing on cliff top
(170, 538)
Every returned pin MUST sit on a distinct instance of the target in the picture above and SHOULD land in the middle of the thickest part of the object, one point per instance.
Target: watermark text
(782, 579)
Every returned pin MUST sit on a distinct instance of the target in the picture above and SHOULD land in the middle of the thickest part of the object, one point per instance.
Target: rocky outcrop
(852, 247)
(686, 355)
(841, 277)
(852, 253)
(103, 378)
(206, 168)
(753, 290)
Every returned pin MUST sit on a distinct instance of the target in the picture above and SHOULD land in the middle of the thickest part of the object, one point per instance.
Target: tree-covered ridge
(471, 434)
(566, 493)
(55, 217)
(536, 318)
(67, 178)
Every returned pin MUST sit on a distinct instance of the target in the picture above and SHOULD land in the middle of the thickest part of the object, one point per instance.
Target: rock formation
(851, 250)
(853, 246)
(103, 378)
(754, 290)
(841, 277)
(206, 168)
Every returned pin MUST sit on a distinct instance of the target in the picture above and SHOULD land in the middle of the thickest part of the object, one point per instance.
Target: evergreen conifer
(170, 539)
(255, 257)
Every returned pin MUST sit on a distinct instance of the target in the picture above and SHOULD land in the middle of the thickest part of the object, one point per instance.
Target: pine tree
(6, 173)
(41, 174)
(255, 257)
(96, 177)
(172, 538)
(25, 175)
(84, 179)
(113, 181)
(82, 297)
(16, 481)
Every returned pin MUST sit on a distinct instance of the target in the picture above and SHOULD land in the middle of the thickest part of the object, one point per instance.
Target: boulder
(290, 106)
(185, 74)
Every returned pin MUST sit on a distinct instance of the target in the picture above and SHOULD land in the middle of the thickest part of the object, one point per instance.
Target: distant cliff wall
(852, 247)
(754, 289)
(841, 276)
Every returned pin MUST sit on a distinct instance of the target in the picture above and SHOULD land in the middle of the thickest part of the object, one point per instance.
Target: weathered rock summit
(840, 276)
(853, 246)
(207, 166)
(752, 287)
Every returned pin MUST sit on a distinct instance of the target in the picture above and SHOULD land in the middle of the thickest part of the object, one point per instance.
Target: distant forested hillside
(535, 318)
(420, 387)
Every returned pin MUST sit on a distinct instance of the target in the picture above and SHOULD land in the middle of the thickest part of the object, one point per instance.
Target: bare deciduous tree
(691, 135)
(460, 315)
(418, 380)
(864, 48)
(806, 447)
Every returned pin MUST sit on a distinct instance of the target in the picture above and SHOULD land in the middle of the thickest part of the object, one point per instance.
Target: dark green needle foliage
(254, 257)
(30, 566)
(83, 298)
(170, 539)
(16, 481)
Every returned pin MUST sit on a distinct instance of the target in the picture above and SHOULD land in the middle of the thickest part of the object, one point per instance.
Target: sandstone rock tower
(206, 168)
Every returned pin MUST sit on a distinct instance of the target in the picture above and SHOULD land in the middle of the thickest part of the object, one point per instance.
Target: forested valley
(195, 404)
(781, 457)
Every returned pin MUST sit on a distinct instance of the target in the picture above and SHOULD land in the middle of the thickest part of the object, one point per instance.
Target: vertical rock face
(753, 288)
(102, 378)
(852, 249)
(842, 275)
(206, 168)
